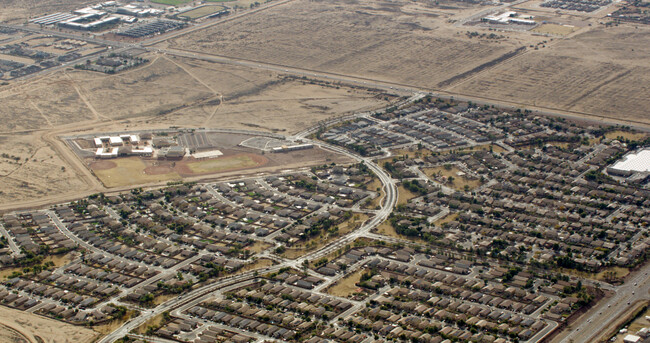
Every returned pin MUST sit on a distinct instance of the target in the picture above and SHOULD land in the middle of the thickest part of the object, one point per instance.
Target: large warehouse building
(637, 162)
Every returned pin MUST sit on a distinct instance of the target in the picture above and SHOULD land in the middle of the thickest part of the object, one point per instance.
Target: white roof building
(144, 151)
(106, 153)
(114, 140)
(635, 162)
(631, 339)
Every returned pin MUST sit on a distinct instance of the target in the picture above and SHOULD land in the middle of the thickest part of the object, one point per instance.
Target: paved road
(390, 200)
(605, 314)
(182, 300)
(12, 245)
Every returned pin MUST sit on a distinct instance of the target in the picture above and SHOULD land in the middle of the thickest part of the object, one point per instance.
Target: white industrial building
(107, 152)
(116, 140)
(285, 148)
(637, 162)
(632, 339)
(114, 152)
(509, 17)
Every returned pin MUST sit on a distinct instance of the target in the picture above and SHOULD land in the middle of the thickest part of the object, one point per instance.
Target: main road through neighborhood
(387, 205)
(602, 316)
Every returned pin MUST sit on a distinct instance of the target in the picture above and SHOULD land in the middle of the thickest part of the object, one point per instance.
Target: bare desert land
(22, 327)
(395, 41)
(602, 71)
(584, 67)
(167, 91)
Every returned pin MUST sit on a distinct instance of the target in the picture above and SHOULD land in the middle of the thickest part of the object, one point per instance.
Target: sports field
(223, 164)
(171, 2)
(128, 171)
(202, 11)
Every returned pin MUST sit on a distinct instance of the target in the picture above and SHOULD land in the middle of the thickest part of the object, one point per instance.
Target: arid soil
(166, 92)
(22, 327)
(589, 69)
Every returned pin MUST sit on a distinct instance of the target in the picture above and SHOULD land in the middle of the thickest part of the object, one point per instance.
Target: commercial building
(107, 153)
(75, 23)
(285, 148)
(632, 339)
(507, 18)
(171, 152)
(638, 162)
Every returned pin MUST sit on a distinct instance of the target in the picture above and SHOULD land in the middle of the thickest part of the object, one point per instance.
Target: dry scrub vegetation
(397, 41)
(594, 70)
(17, 11)
(602, 71)
(31, 328)
(166, 92)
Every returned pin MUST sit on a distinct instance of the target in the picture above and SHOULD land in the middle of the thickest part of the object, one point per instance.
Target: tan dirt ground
(165, 92)
(459, 181)
(603, 71)
(50, 331)
(346, 286)
(395, 41)
(593, 70)
(404, 195)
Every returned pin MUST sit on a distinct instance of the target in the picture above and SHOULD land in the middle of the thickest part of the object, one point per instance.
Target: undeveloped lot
(17, 11)
(601, 72)
(346, 286)
(32, 170)
(165, 92)
(593, 70)
(385, 40)
(27, 327)
(460, 179)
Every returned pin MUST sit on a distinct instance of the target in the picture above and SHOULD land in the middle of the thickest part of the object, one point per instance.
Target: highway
(604, 315)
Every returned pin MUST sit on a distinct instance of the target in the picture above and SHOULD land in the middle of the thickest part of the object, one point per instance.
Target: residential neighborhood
(457, 223)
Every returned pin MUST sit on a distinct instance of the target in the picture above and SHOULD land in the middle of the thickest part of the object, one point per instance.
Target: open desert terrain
(22, 327)
(602, 71)
(167, 91)
(584, 68)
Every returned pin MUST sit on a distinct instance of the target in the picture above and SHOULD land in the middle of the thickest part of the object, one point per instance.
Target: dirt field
(555, 29)
(635, 136)
(446, 219)
(459, 182)
(404, 195)
(227, 163)
(201, 12)
(258, 264)
(163, 93)
(31, 328)
(258, 247)
(128, 171)
(388, 230)
(602, 72)
(397, 41)
(346, 286)
(586, 68)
